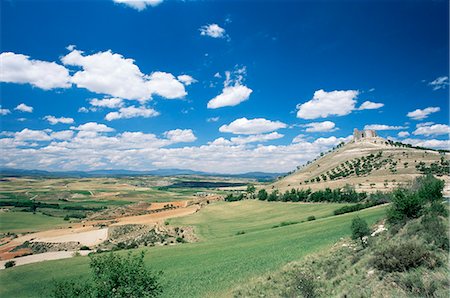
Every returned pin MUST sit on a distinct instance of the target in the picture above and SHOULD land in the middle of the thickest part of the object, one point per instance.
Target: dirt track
(56, 255)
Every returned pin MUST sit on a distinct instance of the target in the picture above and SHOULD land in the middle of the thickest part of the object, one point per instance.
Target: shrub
(240, 233)
(273, 196)
(180, 240)
(435, 231)
(360, 229)
(405, 205)
(402, 256)
(262, 195)
(84, 247)
(429, 188)
(302, 283)
(113, 276)
(10, 264)
(418, 286)
(310, 218)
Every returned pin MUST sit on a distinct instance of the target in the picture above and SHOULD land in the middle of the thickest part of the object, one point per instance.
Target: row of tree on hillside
(345, 195)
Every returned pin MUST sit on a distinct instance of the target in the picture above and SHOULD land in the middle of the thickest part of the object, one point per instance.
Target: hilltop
(367, 163)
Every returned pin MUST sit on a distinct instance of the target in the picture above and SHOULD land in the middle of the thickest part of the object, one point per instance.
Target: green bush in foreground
(113, 276)
(402, 256)
(425, 196)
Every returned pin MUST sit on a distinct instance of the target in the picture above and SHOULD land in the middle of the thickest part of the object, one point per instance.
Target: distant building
(362, 134)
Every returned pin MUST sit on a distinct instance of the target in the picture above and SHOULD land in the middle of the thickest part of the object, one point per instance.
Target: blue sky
(219, 86)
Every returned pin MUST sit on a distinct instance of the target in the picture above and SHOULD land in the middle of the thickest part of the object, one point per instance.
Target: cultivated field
(32, 204)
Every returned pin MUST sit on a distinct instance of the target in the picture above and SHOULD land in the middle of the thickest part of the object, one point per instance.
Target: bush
(302, 283)
(415, 284)
(273, 196)
(310, 218)
(10, 264)
(435, 231)
(405, 205)
(180, 240)
(114, 276)
(84, 247)
(402, 256)
(429, 188)
(360, 229)
(231, 198)
(262, 195)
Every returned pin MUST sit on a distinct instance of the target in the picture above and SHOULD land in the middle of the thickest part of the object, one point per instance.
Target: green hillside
(213, 266)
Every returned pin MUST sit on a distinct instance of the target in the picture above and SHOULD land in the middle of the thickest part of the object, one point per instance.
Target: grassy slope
(211, 267)
(18, 222)
(226, 219)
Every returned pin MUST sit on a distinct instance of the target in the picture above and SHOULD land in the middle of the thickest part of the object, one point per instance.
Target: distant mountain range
(8, 172)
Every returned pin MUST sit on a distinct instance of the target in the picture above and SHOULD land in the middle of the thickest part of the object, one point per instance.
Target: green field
(17, 222)
(222, 260)
(224, 219)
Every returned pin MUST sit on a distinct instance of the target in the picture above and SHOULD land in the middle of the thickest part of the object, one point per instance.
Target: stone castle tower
(362, 134)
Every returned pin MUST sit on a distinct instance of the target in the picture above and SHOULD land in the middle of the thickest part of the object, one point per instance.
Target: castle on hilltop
(362, 134)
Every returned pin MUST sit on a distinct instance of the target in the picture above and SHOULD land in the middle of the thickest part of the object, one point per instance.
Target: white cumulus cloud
(139, 4)
(422, 114)
(433, 130)
(233, 92)
(212, 30)
(324, 104)
(252, 126)
(31, 135)
(186, 79)
(384, 127)
(18, 68)
(4, 112)
(110, 103)
(180, 135)
(230, 96)
(257, 138)
(369, 105)
(166, 85)
(62, 135)
(54, 120)
(112, 74)
(132, 112)
(93, 127)
(403, 134)
(432, 143)
(324, 126)
(24, 108)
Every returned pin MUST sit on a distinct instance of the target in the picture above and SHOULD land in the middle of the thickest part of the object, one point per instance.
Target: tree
(405, 205)
(360, 229)
(273, 196)
(429, 188)
(251, 190)
(262, 195)
(114, 276)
